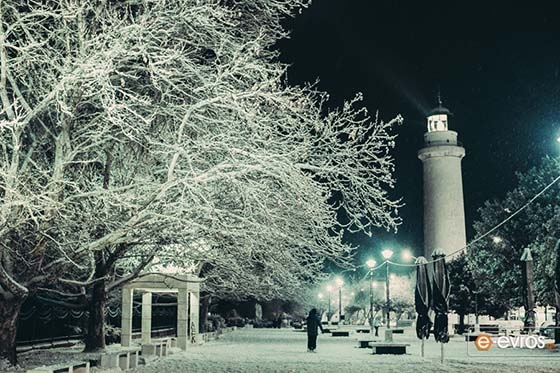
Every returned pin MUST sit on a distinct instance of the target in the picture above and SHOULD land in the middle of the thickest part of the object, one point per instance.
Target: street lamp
(339, 283)
(371, 265)
(387, 254)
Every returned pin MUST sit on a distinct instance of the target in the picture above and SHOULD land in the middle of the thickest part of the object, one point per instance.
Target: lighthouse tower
(444, 213)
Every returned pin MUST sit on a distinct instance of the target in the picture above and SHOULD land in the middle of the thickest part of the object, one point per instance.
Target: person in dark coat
(313, 324)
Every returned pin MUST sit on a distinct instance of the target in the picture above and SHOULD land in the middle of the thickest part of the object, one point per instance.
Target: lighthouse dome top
(437, 119)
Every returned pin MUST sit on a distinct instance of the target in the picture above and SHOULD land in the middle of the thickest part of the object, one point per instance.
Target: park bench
(381, 348)
(489, 328)
(362, 330)
(156, 347)
(340, 333)
(126, 358)
(364, 343)
(398, 331)
(69, 367)
(404, 323)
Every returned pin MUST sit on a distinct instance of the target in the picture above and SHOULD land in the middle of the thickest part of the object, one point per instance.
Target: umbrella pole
(422, 346)
(442, 353)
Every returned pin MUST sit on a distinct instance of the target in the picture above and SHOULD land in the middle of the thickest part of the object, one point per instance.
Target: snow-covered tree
(127, 127)
(495, 261)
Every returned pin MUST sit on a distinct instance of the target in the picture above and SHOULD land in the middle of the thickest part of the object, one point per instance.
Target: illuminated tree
(129, 128)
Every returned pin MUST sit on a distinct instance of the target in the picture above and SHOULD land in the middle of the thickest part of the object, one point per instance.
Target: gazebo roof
(165, 282)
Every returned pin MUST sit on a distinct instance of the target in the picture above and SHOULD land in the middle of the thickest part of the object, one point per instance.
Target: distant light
(374, 284)
(407, 255)
(558, 139)
(497, 239)
(329, 288)
(320, 295)
(339, 281)
(387, 253)
(371, 263)
(393, 276)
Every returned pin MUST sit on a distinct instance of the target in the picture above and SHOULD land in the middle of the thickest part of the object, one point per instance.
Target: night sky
(503, 89)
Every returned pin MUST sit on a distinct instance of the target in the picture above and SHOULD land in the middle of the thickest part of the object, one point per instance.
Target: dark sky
(503, 88)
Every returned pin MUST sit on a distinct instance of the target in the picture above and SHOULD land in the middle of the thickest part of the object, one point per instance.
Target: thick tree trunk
(9, 313)
(461, 323)
(95, 338)
(204, 306)
(557, 324)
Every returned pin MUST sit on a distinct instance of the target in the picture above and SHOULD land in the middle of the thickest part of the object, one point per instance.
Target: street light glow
(329, 288)
(339, 281)
(371, 263)
(387, 253)
(407, 255)
(497, 239)
(320, 295)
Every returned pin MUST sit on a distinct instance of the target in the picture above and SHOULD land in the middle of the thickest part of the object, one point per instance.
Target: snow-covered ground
(284, 350)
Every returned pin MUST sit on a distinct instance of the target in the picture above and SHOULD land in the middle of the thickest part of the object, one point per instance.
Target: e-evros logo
(484, 341)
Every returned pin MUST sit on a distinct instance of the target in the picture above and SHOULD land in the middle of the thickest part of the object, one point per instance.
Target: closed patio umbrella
(440, 296)
(422, 296)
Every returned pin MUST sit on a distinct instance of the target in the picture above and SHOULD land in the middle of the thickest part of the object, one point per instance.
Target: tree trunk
(557, 328)
(9, 313)
(461, 323)
(204, 306)
(95, 338)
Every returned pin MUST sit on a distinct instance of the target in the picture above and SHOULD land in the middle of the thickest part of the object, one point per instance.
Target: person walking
(313, 324)
(376, 325)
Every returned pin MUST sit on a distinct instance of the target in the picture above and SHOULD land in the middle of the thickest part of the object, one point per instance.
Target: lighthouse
(444, 212)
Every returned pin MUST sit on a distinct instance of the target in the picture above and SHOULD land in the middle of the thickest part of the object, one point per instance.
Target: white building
(444, 213)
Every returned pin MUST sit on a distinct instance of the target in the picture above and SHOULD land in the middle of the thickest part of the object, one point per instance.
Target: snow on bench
(126, 358)
(69, 367)
(157, 348)
(380, 348)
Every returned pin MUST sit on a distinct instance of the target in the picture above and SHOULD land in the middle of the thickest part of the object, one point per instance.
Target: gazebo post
(126, 316)
(182, 318)
(194, 309)
(147, 318)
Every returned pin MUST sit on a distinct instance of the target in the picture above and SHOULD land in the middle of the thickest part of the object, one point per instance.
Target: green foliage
(495, 263)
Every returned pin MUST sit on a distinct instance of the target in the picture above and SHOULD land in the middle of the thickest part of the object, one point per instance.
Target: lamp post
(339, 283)
(387, 254)
(329, 289)
(371, 264)
(529, 323)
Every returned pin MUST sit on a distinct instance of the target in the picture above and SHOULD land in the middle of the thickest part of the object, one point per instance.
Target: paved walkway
(284, 350)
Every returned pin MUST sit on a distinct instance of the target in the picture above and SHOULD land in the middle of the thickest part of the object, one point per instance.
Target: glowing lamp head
(339, 282)
(387, 253)
(407, 255)
(371, 263)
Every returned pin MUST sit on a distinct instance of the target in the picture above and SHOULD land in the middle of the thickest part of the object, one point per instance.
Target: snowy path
(266, 350)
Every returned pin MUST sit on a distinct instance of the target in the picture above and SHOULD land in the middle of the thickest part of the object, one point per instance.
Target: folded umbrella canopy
(440, 296)
(422, 296)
